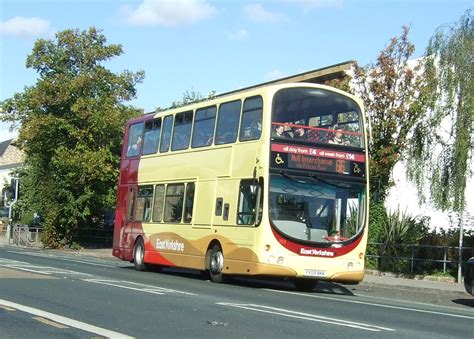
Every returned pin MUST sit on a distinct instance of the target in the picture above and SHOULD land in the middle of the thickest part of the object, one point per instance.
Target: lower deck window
(174, 203)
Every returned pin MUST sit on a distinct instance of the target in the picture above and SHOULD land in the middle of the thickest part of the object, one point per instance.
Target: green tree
(72, 123)
(449, 125)
(190, 97)
(395, 97)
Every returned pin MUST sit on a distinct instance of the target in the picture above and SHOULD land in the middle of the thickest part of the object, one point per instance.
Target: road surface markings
(47, 255)
(50, 323)
(307, 316)
(45, 270)
(376, 305)
(135, 286)
(65, 321)
(9, 309)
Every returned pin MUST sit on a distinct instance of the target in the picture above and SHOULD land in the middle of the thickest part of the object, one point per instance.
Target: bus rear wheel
(139, 255)
(306, 285)
(216, 264)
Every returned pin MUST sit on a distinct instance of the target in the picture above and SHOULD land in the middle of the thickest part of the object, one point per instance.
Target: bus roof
(316, 77)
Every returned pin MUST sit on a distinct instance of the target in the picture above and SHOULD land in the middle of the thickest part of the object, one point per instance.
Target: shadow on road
(323, 287)
(464, 302)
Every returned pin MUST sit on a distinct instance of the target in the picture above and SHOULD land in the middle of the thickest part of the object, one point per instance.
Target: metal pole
(445, 258)
(10, 212)
(461, 236)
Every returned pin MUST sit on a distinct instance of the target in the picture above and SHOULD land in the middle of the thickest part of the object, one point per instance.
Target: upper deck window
(134, 144)
(251, 127)
(166, 135)
(203, 131)
(228, 122)
(317, 115)
(152, 136)
(182, 130)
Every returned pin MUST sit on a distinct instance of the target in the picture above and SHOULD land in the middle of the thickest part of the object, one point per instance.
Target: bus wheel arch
(139, 255)
(215, 262)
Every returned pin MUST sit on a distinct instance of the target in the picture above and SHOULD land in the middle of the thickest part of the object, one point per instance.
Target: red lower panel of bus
(325, 252)
(153, 256)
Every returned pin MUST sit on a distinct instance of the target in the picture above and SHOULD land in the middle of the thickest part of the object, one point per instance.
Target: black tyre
(306, 285)
(216, 264)
(139, 255)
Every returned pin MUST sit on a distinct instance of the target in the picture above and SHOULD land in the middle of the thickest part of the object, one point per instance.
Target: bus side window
(228, 122)
(249, 194)
(183, 123)
(189, 203)
(134, 144)
(158, 203)
(144, 199)
(251, 127)
(166, 134)
(152, 136)
(131, 203)
(203, 131)
(174, 203)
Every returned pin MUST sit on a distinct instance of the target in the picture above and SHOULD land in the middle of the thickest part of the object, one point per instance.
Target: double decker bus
(270, 181)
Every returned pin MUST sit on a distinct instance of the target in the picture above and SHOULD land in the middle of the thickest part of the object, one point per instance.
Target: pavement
(371, 277)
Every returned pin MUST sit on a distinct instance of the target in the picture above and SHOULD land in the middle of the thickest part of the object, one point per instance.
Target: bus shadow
(323, 287)
(464, 302)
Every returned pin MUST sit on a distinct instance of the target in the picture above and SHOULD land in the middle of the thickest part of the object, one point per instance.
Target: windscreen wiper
(327, 182)
(286, 175)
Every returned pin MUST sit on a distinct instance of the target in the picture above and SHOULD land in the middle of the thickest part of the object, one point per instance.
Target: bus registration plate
(314, 273)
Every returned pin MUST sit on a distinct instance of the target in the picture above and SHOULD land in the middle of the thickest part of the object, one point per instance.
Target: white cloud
(27, 28)
(273, 75)
(241, 34)
(169, 12)
(258, 13)
(312, 4)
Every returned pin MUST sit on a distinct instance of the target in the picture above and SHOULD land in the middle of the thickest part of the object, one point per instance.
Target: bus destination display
(311, 159)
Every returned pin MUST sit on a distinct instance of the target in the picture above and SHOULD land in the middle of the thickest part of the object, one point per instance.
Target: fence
(417, 258)
(96, 236)
(26, 236)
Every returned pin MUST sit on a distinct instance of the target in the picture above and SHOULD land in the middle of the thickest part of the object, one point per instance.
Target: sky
(205, 46)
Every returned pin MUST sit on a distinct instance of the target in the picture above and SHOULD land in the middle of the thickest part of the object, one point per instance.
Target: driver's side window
(250, 192)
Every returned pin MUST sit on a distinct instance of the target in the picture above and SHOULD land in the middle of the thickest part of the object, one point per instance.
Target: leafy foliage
(190, 97)
(394, 94)
(72, 123)
(450, 72)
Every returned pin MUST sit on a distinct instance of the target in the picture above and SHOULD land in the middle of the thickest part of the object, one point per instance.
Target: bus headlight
(350, 265)
(280, 260)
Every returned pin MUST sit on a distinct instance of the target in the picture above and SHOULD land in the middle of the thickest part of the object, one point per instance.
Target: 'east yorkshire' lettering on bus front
(316, 252)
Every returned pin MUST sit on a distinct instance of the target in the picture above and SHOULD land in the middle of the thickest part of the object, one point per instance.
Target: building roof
(10, 155)
(4, 145)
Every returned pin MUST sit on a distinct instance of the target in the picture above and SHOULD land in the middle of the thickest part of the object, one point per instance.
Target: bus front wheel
(306, 285)
(216, 264)
(139, 255)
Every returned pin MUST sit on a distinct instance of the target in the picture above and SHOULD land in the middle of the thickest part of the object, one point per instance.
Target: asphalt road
(49, 294)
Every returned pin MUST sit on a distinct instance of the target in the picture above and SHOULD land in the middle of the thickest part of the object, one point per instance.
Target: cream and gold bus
(270, 181)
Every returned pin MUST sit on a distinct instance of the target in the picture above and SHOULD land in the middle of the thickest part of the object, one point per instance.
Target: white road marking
(308, 316)
(45, 270)
(135, 286)
(46, 255)
(376, 305)
(65, 321)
